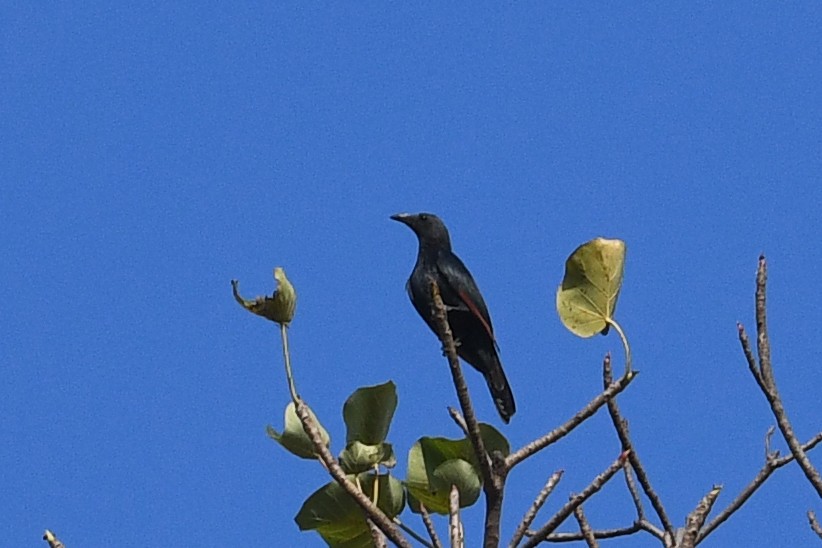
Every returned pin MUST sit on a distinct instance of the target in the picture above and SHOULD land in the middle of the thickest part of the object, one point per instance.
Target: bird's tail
(500, 390)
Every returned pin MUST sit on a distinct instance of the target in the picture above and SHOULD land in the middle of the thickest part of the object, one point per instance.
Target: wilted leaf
(358, 457)
(333, 513)
(368, 413)
(587, 297)
(294, 438)
(277, 308)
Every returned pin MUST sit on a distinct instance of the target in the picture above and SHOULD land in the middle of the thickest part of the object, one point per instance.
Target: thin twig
(576, 500)
(621, 427)
(529, 516)
(771, 465)
(561, 431)
(598, 534)
(772, 393)
(413, 534)
(287, 359)
(632, 488)
(455, 524)
(429, 526)
(585, 528)
(814, 524)
(457, 417)
(749, 357)
(696, 518)
(53, 541)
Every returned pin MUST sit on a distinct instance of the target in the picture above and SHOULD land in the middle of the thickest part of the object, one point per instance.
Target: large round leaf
(433, 467)
(339, 520)
(368, 413)
(587, 297)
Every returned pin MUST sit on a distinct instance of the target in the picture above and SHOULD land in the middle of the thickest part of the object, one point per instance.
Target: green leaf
(339, 520)
(434, 464)
(368, 413)
(494, 440)
(587, 297)
(294, 438)
(358, 457)
(462, 474)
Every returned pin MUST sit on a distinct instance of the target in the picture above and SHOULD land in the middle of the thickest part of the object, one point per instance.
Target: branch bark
(772, 463)
(621, 427)
(768, 382)
(542, 496)
(493, 478)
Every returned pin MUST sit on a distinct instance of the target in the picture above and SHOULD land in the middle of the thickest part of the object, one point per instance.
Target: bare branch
(492, 482)
(447, 339)
(772, 463)
(542, 496)
(598, 534)
(429, 526)
(413, 534)
(621, 427)
(561, 431)
(814, 524)
(696, 518)
(632, 488)
(457, 417)
(455, 523)
(53, 541)
(749, 357)
(585, 528)
(770, 390)
(575, 501)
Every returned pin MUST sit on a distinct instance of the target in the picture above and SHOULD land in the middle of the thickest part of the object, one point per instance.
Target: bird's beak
(402, 217)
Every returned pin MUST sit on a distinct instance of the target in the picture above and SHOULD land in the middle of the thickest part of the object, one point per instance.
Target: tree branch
(429, 526)
(621, 427)
(529, 516)
(696, 518)
(561, 431)
(598, 534)
(53, 541)
(814, 524)
(585, 528)
(772, 463)
(492, 482)
(455, 524)
(575, 501)
(770, 389)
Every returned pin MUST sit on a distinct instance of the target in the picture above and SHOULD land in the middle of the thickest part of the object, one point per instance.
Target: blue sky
(151, 153)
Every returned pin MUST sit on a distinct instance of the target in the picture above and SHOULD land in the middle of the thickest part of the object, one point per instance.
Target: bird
(466, 310)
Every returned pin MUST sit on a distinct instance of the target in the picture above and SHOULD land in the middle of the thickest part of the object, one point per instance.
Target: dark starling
(467, 313)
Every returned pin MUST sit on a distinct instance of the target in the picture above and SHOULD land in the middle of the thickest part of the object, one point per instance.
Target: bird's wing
(462, 284)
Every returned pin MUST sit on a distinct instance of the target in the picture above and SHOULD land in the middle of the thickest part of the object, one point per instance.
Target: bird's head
(428, 227)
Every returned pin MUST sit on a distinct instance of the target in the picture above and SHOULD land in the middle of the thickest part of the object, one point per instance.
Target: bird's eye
(423, 217)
